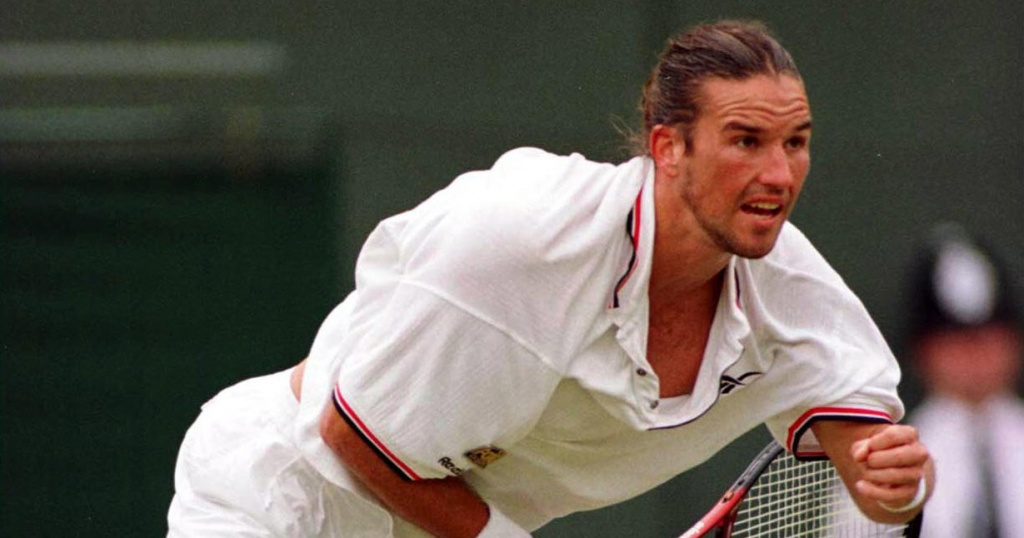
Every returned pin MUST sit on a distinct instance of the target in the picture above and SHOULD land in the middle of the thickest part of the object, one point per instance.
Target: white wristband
(500, 526)
(918, 500)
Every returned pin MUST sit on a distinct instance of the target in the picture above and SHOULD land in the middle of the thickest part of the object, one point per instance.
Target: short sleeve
(796, 433)
(436, 390)
(832, 361)
(852, 379)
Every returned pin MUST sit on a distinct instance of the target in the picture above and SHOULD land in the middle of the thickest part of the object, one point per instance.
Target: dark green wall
(138, 280)
(133, 292)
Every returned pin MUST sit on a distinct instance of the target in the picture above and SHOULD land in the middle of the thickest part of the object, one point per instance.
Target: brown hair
(727, 49)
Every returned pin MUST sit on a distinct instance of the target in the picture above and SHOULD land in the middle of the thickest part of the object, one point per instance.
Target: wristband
(918, 500)
(500, 526)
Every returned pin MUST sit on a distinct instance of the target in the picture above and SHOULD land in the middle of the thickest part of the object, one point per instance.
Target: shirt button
(654, 404)
(641, 372)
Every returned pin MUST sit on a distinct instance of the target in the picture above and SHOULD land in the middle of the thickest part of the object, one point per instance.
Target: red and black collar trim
(633, 220)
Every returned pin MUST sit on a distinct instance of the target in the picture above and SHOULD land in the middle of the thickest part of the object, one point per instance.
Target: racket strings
(803, 499)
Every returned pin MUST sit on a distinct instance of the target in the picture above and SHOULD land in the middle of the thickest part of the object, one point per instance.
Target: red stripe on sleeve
(372, 439)
(802, 424)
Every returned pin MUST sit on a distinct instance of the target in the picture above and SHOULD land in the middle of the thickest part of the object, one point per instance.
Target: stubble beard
(719, 233)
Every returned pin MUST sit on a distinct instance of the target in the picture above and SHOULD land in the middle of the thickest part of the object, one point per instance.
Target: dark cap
(958, 283)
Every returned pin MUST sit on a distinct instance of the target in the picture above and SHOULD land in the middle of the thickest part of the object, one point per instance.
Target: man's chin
(754, 250)
(751, 244)
(753, 254)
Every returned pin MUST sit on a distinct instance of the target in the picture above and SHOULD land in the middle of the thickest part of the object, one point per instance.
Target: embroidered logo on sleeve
(728, 383)
(485, 455)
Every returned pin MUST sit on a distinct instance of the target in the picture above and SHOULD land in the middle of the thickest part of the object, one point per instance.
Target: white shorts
(239, 474)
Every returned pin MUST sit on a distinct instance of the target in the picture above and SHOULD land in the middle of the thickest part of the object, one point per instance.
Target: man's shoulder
(534, 222)
(795, 273)
(531, 198)
(534, 175)
(533, 245)
(529, 158)
(526, 156)
(792, 241)
(795, 255)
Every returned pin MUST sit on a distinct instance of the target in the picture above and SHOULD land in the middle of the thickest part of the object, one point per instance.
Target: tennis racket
(779, 496)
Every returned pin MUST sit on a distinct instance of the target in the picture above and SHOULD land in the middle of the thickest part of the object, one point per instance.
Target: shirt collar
(630, 289)
(724, 349)
(628, 309)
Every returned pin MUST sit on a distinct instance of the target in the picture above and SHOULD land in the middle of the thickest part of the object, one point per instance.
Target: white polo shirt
(498, 332)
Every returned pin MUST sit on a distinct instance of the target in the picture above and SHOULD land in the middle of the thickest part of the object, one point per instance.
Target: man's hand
(883, 465)
(892, 464)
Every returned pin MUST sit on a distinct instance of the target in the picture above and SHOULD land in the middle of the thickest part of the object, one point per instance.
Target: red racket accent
(778, 496)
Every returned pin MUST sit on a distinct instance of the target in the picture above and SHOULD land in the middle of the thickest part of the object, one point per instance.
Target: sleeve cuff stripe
(802, 424)
(346, 411)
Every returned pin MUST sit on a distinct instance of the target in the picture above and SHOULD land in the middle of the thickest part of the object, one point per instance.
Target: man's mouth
(762, 209)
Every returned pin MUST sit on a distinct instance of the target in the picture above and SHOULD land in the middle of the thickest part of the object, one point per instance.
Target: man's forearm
(443, 507)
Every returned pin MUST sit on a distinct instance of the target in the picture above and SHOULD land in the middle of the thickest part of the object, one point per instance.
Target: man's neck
(685, 259)
(681, 266)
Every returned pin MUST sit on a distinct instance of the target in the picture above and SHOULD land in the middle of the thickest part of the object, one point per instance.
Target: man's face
(970, 364)
(749, 155)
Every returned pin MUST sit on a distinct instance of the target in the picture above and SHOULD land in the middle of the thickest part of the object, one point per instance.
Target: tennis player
(554, 335)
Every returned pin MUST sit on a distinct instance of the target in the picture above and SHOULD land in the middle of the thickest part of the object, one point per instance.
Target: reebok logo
(447, 463)
(727, 383)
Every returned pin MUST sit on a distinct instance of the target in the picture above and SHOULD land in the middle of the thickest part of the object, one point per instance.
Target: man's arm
(443, 507)
(881, 464)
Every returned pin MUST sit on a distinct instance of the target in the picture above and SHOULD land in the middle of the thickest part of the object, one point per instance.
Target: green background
(166, 236)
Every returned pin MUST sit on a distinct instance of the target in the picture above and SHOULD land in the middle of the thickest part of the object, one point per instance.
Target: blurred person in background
(965, 341)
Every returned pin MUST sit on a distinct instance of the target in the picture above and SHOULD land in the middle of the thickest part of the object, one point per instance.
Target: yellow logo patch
(485, 455)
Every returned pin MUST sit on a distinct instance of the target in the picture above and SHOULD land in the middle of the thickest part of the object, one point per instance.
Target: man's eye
(797, 142)
(746, 142)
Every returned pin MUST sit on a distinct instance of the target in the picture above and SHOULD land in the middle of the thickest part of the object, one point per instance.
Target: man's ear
(667, 148)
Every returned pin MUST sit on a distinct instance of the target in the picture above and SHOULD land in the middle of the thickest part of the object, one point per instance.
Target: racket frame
(722, 515)
(721, 518)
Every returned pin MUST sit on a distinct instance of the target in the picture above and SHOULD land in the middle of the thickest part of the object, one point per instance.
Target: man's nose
(778, 169)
